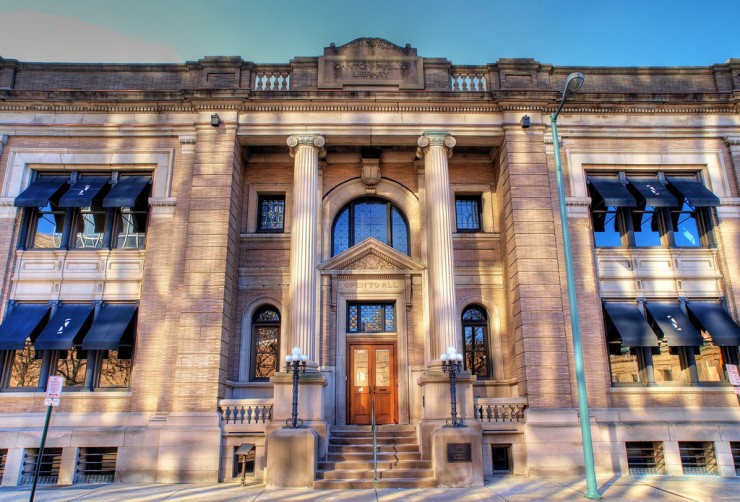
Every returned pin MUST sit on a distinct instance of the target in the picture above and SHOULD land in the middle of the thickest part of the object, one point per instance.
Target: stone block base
(456, 470)
(291, 458)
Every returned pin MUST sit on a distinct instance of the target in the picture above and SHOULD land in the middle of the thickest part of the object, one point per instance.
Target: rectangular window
(3, 459)
(501, 458)
(645, 458)
(468, 213)
(25, 367)
(244, 456)
(115, 368)
(650, 211)
(72, 365)
(48, 469)
(96, 212)
(735, 448)
(624, 364)
(271, 215)
(371, 318)
(96, 465)
(697, 458)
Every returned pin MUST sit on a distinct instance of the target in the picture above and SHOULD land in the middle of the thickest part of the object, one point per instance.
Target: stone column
(436, 148)
(306, 151)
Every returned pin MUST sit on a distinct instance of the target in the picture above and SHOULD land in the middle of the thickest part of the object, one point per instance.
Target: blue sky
(589, 33)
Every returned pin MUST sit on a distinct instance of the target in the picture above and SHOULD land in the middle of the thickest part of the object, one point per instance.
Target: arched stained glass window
(370, 217)
(265, 343)
(475, 347)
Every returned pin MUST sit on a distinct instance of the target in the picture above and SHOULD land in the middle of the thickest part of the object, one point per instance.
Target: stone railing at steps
(245, 411)
(276, 77)
(271, 78)
(497, 410)
(469, 79)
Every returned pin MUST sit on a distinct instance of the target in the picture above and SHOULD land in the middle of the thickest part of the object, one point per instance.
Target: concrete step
(342, 484)
(367, 428)
(326, 484)
(369, 440)
(382, 457)
(382, 448)
(368, 465)
(382, 474)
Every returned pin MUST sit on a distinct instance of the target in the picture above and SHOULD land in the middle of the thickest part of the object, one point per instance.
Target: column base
(457, 456)
(292, 455)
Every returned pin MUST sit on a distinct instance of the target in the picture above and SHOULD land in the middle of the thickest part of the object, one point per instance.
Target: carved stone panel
(370, 62)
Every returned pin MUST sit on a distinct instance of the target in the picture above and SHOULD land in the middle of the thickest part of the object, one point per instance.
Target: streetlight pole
(572, 84)
(452, 364)
(295, 362)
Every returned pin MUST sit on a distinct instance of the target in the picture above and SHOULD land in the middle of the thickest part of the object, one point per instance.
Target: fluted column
(436, 148)
(306, 150)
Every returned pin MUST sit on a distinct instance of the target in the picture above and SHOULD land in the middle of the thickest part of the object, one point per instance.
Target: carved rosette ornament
(313, 140)
(431, 139)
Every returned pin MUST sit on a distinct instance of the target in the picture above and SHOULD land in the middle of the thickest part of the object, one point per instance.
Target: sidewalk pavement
(496, 489)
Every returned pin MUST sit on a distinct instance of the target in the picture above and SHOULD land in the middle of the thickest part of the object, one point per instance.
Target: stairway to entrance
(349, 462)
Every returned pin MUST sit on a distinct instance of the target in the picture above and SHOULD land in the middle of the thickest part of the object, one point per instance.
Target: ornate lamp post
(452, 364)
(295, 362)
(572, 84)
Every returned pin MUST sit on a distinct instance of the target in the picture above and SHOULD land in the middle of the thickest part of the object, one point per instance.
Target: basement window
(96, 465)
(49, 469)
(501, 458)
(735, 448)
(698, 458)
(645, 458)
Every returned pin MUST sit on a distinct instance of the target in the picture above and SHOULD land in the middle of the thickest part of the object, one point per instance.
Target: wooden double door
(372, 378)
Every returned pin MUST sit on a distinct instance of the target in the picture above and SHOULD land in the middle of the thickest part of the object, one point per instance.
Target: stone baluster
(436, 148)
(306, 150)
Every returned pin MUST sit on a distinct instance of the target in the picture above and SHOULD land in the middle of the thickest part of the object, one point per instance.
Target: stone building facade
(168, 233)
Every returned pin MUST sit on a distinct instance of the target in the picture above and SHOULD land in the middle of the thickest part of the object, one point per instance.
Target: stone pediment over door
(371, 257)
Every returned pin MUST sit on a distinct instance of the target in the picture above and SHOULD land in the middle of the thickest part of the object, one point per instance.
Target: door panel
(372, 377)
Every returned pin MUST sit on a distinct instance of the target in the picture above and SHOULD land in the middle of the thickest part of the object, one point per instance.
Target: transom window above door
(371, 318)
(370, 217)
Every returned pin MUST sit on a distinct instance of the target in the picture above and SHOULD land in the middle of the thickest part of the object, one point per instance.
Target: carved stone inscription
(370, 62)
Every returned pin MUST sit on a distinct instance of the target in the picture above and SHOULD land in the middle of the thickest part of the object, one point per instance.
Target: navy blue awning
(696, 194)
(64, 327)
(41, 191)
(630, 324)
(126, 192)
(24, 320)
(84, 193)
(655, 193)
(714, 319)
(110, 325)
(668, 320)
(613, 192)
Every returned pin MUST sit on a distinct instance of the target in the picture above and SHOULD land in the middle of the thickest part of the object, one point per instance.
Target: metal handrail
(375, 439)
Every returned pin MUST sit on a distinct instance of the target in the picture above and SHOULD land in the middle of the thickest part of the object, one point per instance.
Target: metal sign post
(53, 394)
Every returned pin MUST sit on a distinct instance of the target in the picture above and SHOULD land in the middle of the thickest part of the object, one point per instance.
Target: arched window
(475, 337)
(370, 217)
(265, 343)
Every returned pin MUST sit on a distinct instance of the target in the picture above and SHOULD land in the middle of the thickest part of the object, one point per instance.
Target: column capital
(435, 138)
(313, 140)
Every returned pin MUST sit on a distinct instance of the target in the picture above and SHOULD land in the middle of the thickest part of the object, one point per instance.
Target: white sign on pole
(734, 376)
(54, 390)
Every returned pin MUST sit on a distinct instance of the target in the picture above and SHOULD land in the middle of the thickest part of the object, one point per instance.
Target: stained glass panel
(266, 343)
(272, 213)
(371, 318)
(475, 342)
(467, 210)
(370, 221)
(367, 218)
(400, 232)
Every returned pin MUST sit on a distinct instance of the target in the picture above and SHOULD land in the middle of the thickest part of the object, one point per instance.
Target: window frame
(626, 216)
(263, 197)
(478, 200)
(256, 324)
(477, 323)
(74, 217)
(349, 209)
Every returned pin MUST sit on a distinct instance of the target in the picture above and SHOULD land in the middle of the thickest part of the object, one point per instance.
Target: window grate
(49, 470)
(96, 465)
(645, 458)
(697, 458)
(735, 447)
